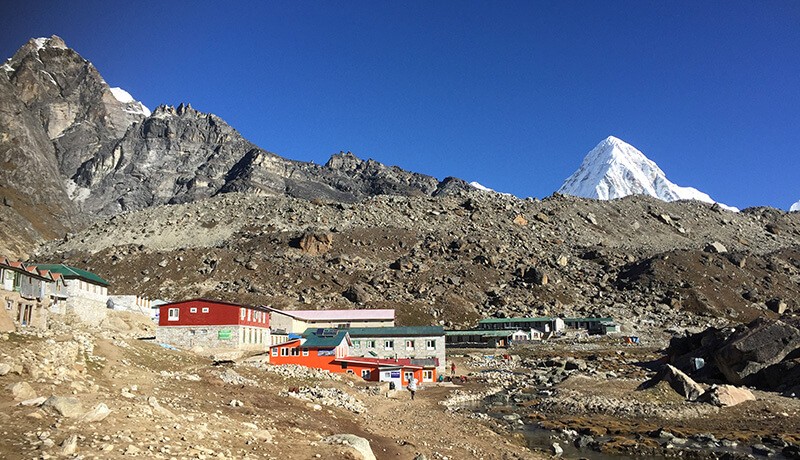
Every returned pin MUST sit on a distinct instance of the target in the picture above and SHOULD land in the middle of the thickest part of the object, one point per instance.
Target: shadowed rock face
(71, 151)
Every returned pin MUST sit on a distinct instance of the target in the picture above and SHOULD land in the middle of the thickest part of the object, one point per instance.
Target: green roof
(482, 333)
(589, 319)
(399, 331)
(315, 341)
(544, 319)
(71, 272)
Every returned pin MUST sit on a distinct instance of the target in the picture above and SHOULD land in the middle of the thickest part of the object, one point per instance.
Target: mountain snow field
(615, 169)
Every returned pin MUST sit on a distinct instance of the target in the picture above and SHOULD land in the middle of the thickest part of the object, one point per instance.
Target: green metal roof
(315, 341)
(544, 319)
(482, 333)
(398, 331)
(71, 272)
(588, 319)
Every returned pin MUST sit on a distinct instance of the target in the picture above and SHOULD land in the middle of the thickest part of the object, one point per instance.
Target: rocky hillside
(451, 260)
(73, 149)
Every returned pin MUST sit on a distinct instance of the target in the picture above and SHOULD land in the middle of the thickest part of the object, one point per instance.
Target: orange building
(328, 349)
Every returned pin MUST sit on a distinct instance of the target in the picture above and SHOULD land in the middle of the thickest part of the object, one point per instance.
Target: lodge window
(295, 351)
(356, 344)
(305, 351)
(205, 309)
(407, 375)
(344, 365)
(430, 344)
(9, 304)
(172, 314)
(388, 344)
(366, 374)
(370, 344)
(241, 313)
(284, 351)
(193, 310)
(275, 351)
(409, 344)
(427, 376)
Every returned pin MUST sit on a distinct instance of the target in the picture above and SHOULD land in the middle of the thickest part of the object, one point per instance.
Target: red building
(329, 349)
(213, 324)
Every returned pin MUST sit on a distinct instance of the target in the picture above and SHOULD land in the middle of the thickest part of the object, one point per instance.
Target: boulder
(70, 445)
(356, 294)
(761, 344)
(98, 414)
(315, 243)
(358, 444)
(727, 395)
(521, 220)
(716, 248)
(680, 382)
(64, 406)
(22, 391)
(4, 369)
(777, 305)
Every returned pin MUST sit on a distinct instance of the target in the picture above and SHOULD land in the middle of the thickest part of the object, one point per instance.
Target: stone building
(413, 342)
(213, 324)
(26, 294)
(85, 293)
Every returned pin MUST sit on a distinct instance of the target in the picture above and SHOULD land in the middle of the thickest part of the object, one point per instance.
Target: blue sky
(509, 94)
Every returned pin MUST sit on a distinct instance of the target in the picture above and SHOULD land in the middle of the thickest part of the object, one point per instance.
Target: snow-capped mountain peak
(614, 169)
(131, 104)
(795, 207)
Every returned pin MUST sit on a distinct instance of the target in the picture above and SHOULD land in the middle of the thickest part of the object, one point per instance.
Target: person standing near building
(452, 369)
(412, 387)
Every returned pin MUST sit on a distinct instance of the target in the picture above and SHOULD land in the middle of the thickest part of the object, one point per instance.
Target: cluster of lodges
(365, 342)
(30, 293)
(502, 332)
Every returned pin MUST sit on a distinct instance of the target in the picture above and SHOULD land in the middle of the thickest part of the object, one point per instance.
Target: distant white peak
(7, 66)
(484, 188)
(481, 187)
(795, 207)
(615, 169)
(133, 106)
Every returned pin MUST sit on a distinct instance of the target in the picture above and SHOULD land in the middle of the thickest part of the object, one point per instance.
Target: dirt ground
(173, 404)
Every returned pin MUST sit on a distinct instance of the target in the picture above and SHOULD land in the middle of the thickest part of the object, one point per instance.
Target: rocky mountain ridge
(98, 152)
(452, 260)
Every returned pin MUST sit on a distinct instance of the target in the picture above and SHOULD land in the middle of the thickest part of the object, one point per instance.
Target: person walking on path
(452, 369)
(412, 387)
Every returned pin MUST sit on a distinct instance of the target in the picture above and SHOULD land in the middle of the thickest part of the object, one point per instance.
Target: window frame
(193, 310)
(205, 310)
(176, 316)
(388, 345)
(430, 344)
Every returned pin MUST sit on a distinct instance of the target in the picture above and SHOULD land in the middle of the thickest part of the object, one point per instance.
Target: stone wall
(210, 337)
(84, 306)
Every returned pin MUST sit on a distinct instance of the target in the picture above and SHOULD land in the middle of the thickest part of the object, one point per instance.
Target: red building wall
(219, 314)
(312, 360)
(329, 363)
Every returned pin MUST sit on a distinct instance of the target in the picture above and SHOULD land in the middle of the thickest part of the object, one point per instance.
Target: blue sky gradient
(509, 94)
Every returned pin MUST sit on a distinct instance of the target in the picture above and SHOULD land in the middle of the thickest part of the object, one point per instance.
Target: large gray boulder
(64, 406)
(727, 395)
(358, 444)
(678, 381)
(761, 344)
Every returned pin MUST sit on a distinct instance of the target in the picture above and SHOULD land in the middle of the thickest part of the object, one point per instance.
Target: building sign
(395, 374)
(224, 334)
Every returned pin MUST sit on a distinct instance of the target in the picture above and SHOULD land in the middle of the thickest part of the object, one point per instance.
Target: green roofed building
(86, 293)
(414, 342)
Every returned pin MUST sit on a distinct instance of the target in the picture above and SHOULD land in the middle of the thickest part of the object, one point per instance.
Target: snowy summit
(615, 169)
(132, 105)
(795, 207)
